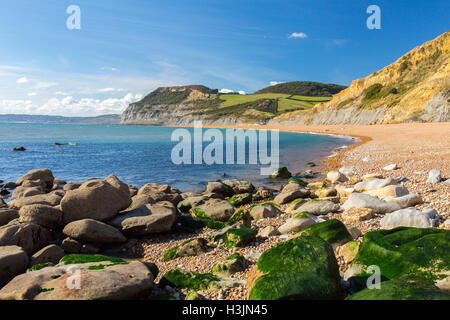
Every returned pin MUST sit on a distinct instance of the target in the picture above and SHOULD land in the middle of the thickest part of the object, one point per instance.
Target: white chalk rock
(410, 217)
(434, 176)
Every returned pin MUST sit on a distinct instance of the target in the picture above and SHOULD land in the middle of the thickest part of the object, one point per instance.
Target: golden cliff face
(414, 88)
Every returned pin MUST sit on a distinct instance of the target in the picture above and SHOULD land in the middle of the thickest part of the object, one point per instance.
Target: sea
(142, 154)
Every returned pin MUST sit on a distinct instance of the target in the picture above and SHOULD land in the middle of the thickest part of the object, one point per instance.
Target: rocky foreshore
(103, 239)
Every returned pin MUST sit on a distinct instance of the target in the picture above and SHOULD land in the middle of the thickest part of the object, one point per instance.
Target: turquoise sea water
(136, 154)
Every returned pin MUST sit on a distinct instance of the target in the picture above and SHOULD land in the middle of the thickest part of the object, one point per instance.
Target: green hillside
(304, 88)
(208, 104)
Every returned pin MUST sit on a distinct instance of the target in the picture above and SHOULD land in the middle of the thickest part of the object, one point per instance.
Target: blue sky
(125, 49)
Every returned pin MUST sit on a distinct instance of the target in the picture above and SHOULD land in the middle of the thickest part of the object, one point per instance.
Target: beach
(150, 235)
(416, 148)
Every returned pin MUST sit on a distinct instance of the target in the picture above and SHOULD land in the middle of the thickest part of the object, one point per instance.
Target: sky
(123, 50)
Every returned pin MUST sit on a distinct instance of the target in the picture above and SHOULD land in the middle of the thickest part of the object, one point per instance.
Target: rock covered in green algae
(404, 288)
(333, 231)
(197, 281)
(239, 237)
(281, 173)
(188, 248)
(421, 252)
(301, 268)
(240, 199)
(234, 263)
(297, 181)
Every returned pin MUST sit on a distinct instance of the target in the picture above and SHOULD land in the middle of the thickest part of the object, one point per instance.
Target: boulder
(31, 237)
(89, 230)
(336, 177)
(294, 205)
(298, 222)
(325, 192)
(239, 237)
(354, 214)
(268, 231)
(7, 215)
(374, 184)
(240, 199)
(262, 194)
(50, 199)
(362, 200)
(44, 175)
(303, 268)
(405, 201)
(145, 220)
(214, 209)
(410, 217)
(96, 199)
(13, 261)
(422, 252)
(281, 173)
(140, 200)
(197, 281)
(72, 186)
(188, 248)
(434, 176)
(371, 176)
(10, 185)
(220, 188)
(22, 192)
(49, 254)
(74, 246)
(404, 288)
(318, 207)
(232, 264)
(97, 281)
(190, 202)
(291, 192)
(389, 191)
(333, 231)
(264, 211)
(240, 186)
(41, 214)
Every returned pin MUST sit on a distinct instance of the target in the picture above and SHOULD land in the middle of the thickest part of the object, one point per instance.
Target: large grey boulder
(79, 282)
(374, 184)
(160, 193)
(44, 175)
(50, 199)
(318, 207)
(96, 199)
(42, 215)
(145, 220)
(13, 261)
(434, 176)
(21, 192)
(264, 211)
(31, 237)
(6, 215)
(191, 202)
(410, 217)
(295, 224)
(215, 209)
(240, 186)
(70, 245)
(362, 200)
(140, 200)
(89, 230)
(49, 254)
(291, 192)
(220, 188)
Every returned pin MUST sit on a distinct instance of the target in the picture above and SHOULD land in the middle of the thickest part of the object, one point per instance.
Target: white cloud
(110, 90)
(32, 94)
(274, 83)
(68, 106)
(45, 85)
(241, 92)
(109, 68)
(22, 80)
(301, 35)
(61, 93)
(224, 90)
